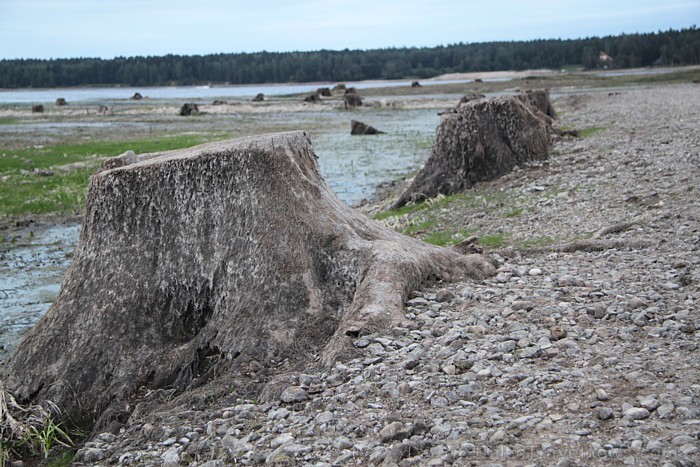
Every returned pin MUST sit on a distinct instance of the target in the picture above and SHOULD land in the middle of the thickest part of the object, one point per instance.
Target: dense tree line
(673, 47)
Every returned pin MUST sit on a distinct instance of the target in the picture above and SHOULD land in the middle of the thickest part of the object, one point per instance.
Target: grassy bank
(53, 179)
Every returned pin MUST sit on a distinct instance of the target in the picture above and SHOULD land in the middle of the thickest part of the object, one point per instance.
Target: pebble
(395, 431)
(604, 413)
(293, 394)
(637, 413)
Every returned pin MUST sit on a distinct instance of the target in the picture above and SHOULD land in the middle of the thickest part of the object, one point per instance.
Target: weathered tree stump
(137, 96)
(352, 100)
(189, 109)
(416, 84)
(539, 99)
(359, 128)
(481, 140)
(195, 265)
(259, 97)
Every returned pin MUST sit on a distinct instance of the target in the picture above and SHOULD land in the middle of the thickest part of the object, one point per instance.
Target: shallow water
(112, 94)
(32, 264)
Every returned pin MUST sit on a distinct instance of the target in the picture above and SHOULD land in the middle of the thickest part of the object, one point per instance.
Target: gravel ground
(580, 353)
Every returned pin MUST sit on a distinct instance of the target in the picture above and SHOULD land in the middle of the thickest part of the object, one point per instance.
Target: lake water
(110, 94)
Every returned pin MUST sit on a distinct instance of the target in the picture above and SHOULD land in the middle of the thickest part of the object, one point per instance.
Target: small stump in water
(189, 109)
(359, 128)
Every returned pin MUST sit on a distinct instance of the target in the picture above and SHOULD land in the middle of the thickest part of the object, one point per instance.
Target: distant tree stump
(359, 128)
(198, 264)
(137, 96)
(259, 97)
(480, 140)
(61, 102)
(352, 101)
(189, 109)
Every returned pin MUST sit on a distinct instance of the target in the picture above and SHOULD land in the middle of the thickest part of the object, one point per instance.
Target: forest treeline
(672, 47)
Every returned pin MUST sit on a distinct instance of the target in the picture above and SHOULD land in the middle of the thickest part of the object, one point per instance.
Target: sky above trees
(111, 28)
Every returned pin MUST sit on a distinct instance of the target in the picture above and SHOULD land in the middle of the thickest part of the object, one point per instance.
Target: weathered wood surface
(482, 140)
(194, 264)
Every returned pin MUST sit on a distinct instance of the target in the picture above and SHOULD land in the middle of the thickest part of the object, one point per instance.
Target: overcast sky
(110, 28)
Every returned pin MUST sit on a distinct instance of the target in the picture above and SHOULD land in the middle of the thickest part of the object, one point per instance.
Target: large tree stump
(481, 140)
(194, 263)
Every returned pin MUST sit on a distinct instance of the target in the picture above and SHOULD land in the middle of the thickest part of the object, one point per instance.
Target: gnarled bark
(482, 140)
(194, 263)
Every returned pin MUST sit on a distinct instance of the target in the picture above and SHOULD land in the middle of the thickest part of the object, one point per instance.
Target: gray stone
(665, 410)
(395, 431)
(293, 394)
(171, 457)
(650, 403)
(683, 439)
(689, 450)
(341, 442)
(604, 413)
(531, 352)
(637, 413)
(91, 455)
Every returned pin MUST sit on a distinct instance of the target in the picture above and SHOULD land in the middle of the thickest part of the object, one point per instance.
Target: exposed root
(17, 423)
(613, 229)
(588, 246)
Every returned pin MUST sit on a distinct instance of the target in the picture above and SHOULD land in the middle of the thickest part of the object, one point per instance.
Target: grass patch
(586, 132)
(419, 227)
(513, 212)
(538, 242)
(433, 203)
(23, 191)
(447, 238)
(492, 241)
(9, 120)
(52, 156)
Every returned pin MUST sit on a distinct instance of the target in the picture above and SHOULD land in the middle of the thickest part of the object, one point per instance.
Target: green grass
(512, 212)
(492, 241)
(419, 227)
(447, 238)
(438, 202)
(51, 156)
(586, 132)
(537, 242)
(24, 192)
(9, 120)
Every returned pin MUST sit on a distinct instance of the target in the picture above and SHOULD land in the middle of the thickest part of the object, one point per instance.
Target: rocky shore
(582, 350)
